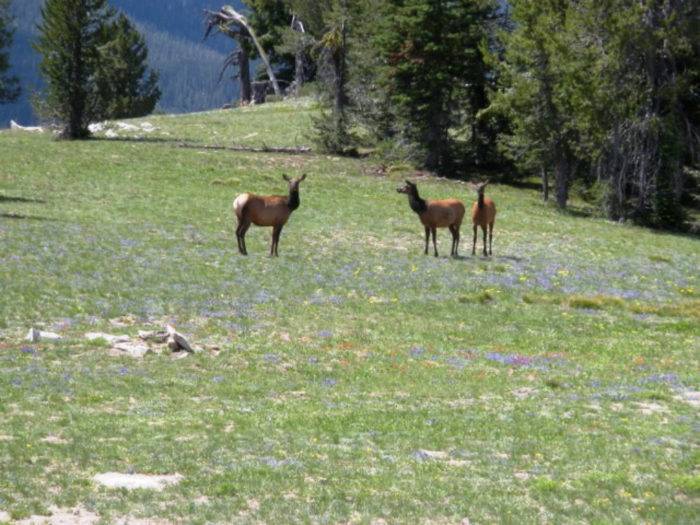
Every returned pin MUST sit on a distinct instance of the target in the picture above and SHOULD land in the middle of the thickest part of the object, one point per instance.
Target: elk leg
(434, 232)
(243, 228)
(455, 239)
(484, 230)
(490, 238)
(474, 244)
(275, 240)
(238, 237)
(427, 239)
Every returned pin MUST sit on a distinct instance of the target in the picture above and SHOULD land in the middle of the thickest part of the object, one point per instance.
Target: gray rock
(34, 336)
(111, 339)
(133, 349)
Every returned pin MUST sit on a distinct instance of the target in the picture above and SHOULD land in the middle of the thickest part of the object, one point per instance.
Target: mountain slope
(188, 67)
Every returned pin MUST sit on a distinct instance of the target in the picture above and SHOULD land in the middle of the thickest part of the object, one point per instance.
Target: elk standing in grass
(446, 213)
(269, 210)
(484, 215)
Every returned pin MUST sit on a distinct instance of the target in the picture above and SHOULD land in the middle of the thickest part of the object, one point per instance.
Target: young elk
(270, 210)
(483, 214)
(446, 213)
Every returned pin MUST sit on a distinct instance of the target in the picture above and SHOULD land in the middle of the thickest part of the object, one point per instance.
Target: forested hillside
(188, 67)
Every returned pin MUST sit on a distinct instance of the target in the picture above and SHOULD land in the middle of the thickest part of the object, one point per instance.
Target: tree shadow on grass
(180, 143)
(19, 216)
(490, 258)
(7, 198)
(525, 185)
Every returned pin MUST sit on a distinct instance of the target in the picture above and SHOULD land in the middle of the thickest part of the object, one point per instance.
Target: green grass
(549, 383)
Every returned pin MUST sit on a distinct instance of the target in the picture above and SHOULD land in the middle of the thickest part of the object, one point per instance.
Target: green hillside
(350, 380)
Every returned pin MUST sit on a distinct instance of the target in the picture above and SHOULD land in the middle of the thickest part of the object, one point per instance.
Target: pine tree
(125, 86)
(71, 33)
(9, 85)
(535, 92)
(435, 72)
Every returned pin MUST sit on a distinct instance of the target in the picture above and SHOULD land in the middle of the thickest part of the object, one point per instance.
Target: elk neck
(293, 200)
(416, 203)
(481, 200)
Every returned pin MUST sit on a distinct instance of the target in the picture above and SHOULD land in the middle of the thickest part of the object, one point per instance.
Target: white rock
(158, 337)
(33, 129)
(127, 127)
(34, 336)
(117, 480)
(111, 134)
(111, 339)
(431, 454)
(132, 348)
(96, 127)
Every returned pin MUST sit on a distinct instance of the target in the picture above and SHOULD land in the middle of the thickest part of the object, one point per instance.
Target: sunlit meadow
(352, 379)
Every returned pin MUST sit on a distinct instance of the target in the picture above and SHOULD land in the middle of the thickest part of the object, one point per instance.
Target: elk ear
(284, 176)
(302, 177)
(409, 182)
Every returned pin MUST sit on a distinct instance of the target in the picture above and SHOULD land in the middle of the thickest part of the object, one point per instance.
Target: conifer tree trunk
(562, 177)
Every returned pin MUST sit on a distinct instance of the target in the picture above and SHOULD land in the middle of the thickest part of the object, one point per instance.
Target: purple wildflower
(417, 351)
(325, 333)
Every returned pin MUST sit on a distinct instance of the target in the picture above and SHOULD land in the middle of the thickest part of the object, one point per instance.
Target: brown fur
(270, 210)
(433, 214)
(484, 216)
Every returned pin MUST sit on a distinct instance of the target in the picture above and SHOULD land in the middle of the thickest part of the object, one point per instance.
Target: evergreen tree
(533, 92)
(124, 85)
(94, 64)
(435, 73)
(71, 34)
(271, 19)
(604, 92)
(9, 85)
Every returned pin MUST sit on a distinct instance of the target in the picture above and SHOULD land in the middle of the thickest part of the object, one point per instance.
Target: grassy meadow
(350, 380)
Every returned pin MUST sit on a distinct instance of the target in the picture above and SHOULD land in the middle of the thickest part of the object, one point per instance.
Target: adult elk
(446, 213)
(483, 215)
(269, 210)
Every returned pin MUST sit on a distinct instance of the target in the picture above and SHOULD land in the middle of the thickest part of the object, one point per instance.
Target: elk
(446, 213)
(268, 210)
(484, 215)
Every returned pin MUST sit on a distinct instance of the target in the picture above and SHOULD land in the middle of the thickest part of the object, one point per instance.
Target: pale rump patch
(136, 481)
(239, 203)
